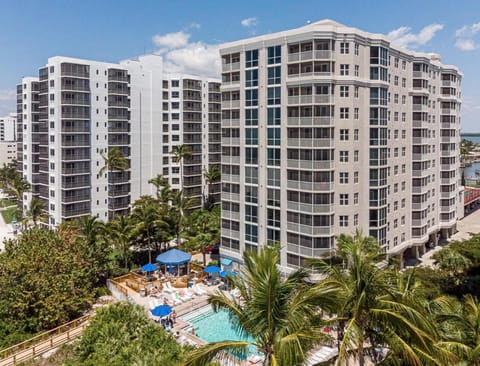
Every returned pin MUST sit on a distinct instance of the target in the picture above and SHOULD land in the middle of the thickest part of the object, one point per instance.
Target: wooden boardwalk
(43, 342)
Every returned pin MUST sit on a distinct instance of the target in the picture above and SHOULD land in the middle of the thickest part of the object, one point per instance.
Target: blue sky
(187, 32)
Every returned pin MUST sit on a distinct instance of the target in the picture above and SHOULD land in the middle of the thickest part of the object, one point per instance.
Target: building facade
(8, 152)
(326, 129)
(78, 110)
(8, 127)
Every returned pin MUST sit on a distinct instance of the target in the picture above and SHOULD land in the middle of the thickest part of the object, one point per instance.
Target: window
(251, 213)
(343, 220)
(273, 95)
(251, 78)
(355, 198)
(251, 117)
(355, 113)
(343, 177)
(251, 58)
(344, 48)
(403, 168)
(356, 92)
(344, 68)
(403, 220)
(273, 117)
(355, 220)
(404, 116)
(404, 82)
(274, 55)
(404, 65)
(395, 80)
(355, 177)
(251, 97)
(395, 152)
(344, 156)
(251, 136)
(355, 156)
(343, 199)
(344, 134)
(396, 62)
(343, 113)
(251, 233)
(344, 91)
(395, 116)
(355, 134)
(395, 170)
(357, 70)
(357, 49)
(404, 151)
(403, 186)
(395, 188)
(274, 75)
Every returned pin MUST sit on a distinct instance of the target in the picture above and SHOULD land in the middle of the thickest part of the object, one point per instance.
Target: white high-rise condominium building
(326, 129)
(78, 110)
(8, 127)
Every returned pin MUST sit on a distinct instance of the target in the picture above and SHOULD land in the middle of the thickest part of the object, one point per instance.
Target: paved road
(469, 224)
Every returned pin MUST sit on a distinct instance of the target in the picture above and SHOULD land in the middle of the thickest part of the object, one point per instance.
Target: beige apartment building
(326, 129)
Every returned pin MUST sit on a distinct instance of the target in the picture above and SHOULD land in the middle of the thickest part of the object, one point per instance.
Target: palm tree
(160, 183)
(204, 229)
(375, 310)
(278, 314)
(120, 232)
(114, 160)
(180, 205)
(36, 211)
(211, 175)
(460, 325)
(90, 228)
(180, 154)
(466, 147)
(147, 220)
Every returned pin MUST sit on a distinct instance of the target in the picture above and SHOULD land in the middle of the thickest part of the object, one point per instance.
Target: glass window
(273, 116)
(274, 75)
(251, 97)
(251, 58)
(274, 55)
(251, 78)
(251, 117)
(273, 95)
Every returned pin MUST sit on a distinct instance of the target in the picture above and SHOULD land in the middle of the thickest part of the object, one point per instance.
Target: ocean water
(475, 139)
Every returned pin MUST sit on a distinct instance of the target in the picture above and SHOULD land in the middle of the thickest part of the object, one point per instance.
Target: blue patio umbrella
(212, 269)
(161, 311)
(149, 267)
(224, 274)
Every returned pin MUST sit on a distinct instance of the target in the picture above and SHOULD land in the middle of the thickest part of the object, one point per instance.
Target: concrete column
(400, 260)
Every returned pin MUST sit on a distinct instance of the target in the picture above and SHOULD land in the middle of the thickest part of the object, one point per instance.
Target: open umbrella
(149, 267)
(224, 274)
(212, 269)
(161, 310)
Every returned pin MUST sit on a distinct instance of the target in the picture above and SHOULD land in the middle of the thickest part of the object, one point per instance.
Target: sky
(187, 33)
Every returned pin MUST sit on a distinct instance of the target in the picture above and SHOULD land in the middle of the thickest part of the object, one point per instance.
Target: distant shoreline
(470, 134)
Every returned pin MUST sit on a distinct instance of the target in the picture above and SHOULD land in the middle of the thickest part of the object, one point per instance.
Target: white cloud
(182, 56)
(195, 25)
(171, 40)
(466, 44)
(249, 22)
(6, 95)
(468, 30)
(403, 37)
(465, 35)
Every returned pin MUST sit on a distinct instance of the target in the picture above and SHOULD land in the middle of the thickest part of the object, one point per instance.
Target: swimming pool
(213, 326)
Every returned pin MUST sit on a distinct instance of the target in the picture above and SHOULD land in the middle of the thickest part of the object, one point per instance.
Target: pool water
(213, 326)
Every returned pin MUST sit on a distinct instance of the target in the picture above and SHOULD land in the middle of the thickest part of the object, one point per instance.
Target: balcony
(310, 230)
(450, 153)
(310, 186)
(417, 173)
(420, 140)
(448, 111)
(231, 104)
(231, 67)
(231, 178)
(310, 121)
(230, 122)
(419, 222)
(421, 75)
(231, 196)
(230, 159)
(235, 141)
(230, 215)
(309, 208)
(420, 108)
(420, 189)
(310, 142)
(310, 55)
(75, 198)
(311, 99)
(310, 164)
(230, 233)
(451, 194)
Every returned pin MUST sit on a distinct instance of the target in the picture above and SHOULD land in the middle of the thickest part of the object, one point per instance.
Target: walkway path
(44, 346)
(469, 224)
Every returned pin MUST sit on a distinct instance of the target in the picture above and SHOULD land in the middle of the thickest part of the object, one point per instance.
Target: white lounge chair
(177, 296)
(185, 295)
(200, 291)
(167, 287)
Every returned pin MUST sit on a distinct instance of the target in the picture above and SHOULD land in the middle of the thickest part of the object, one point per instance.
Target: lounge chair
(184, 294)
(167, 287)
(177, 296)
(200, 291)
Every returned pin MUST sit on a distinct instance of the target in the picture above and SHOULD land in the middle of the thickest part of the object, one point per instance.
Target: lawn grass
(9, 213)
